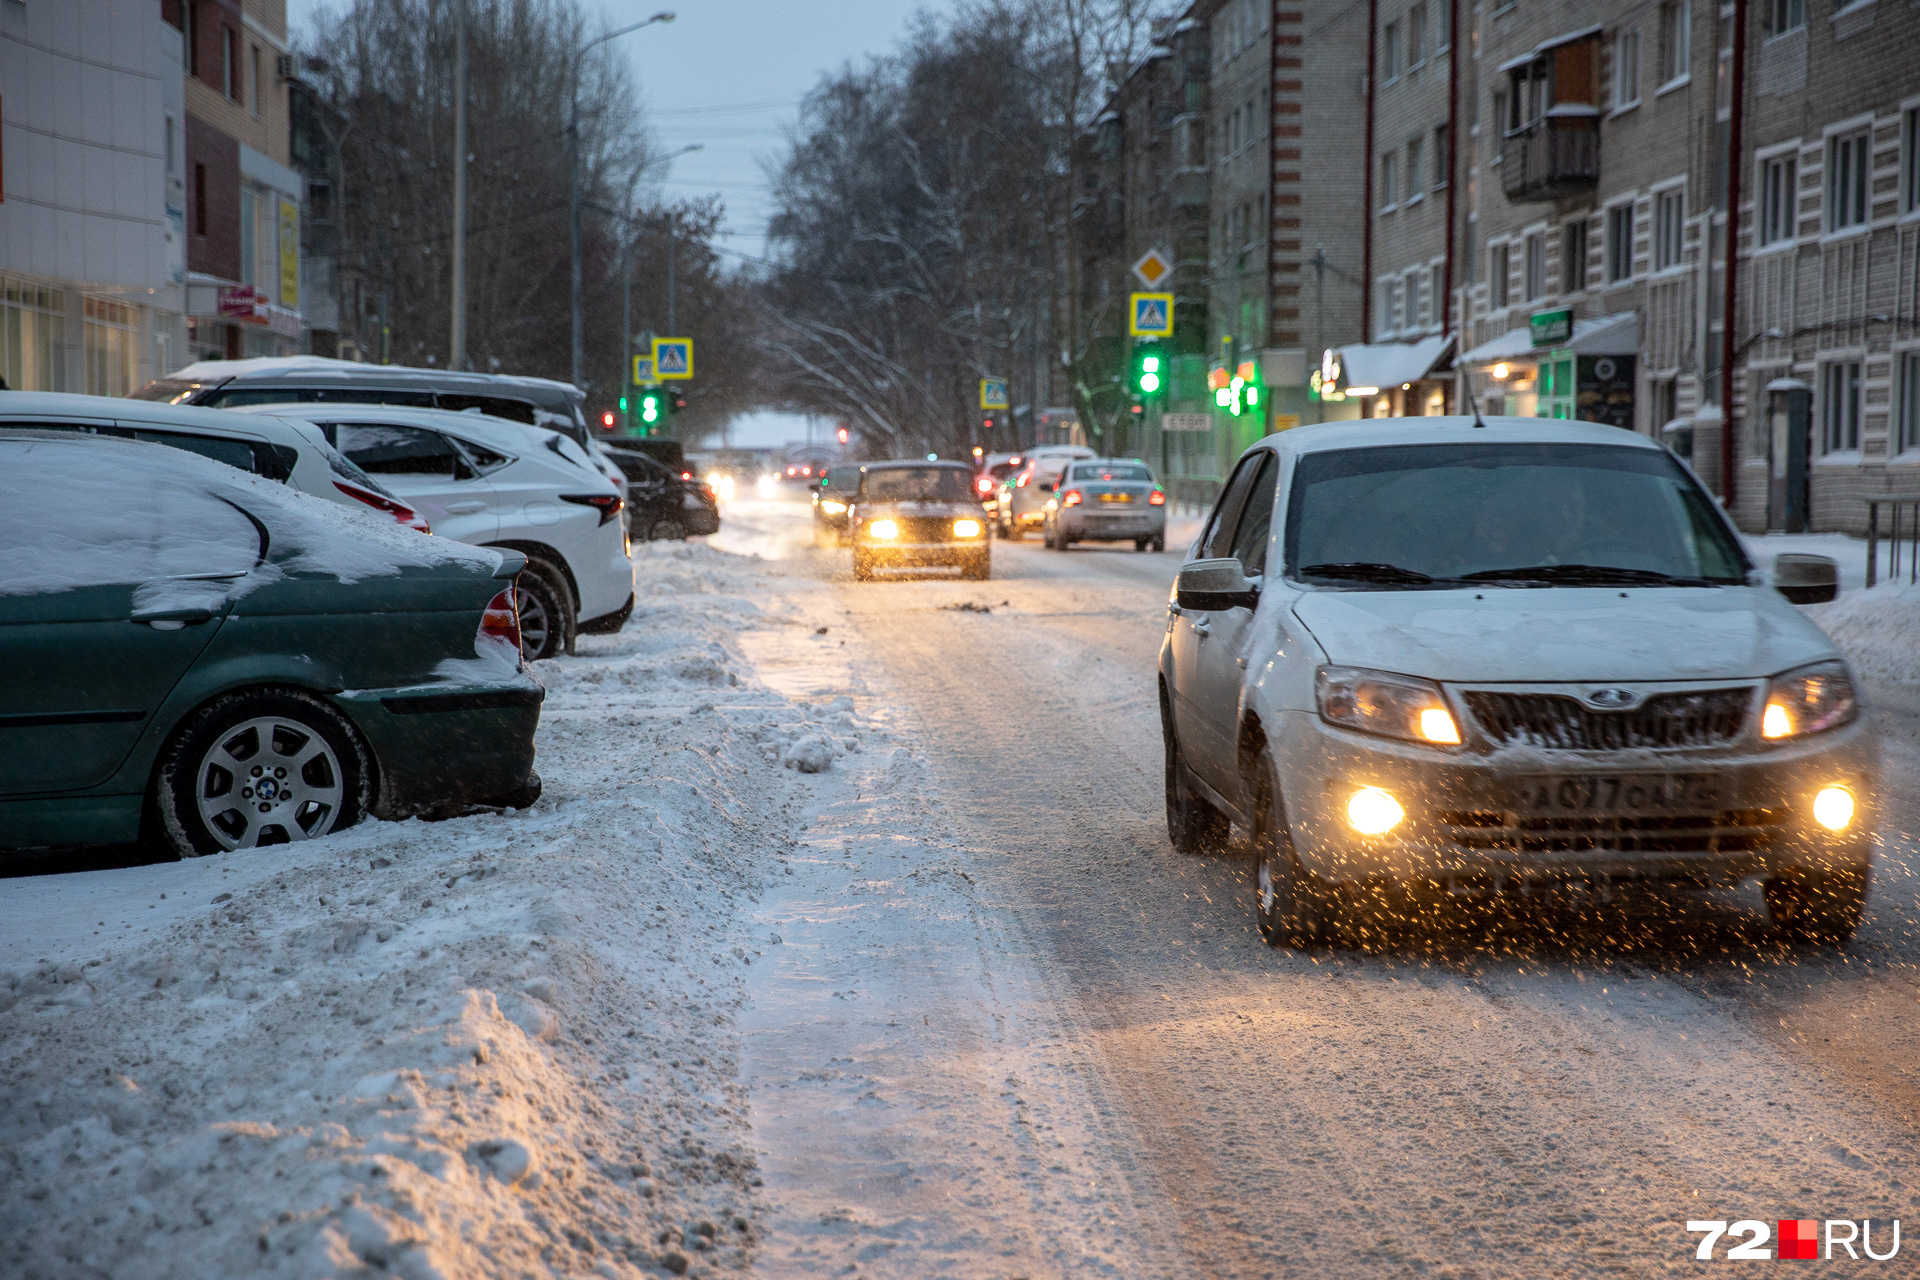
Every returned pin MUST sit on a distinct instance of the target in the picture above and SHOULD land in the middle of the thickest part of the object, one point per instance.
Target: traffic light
(1238, 393)
(1149, 370)
(606, 419)
(652, 408)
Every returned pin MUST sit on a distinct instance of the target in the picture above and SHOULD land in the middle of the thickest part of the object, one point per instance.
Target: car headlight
(1381, 702)
(966, 528)
(831, 507)
(884, 530)
(1808, 700)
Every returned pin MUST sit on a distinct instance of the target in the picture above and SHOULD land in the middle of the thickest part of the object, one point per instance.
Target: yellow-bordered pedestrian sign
(642, 370)
(672, 358)
(993, 393)
(1150, 315)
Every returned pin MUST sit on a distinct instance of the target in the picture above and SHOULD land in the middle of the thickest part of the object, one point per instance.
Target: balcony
(1553, 158)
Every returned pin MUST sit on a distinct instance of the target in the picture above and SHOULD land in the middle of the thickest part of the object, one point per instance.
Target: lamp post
(573, 185)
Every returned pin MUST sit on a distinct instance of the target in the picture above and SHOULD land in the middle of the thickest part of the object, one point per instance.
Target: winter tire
(1818, 908)
(1160, 543)
(1294, 908)
(261, 767)
(667, 529)
(1141, 544)
(522, 796)
(1046, 536)
(1193, 824)
(546, 612)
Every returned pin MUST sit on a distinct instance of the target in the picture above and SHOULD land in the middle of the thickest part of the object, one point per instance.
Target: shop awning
(1388, 364)
(1614, 335)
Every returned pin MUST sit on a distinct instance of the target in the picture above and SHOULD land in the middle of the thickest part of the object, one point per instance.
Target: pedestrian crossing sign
(642, 370)
(993, 393)
(672, 358)
(1152, 315)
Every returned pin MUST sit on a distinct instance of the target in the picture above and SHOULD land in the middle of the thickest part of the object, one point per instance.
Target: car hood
(1564, 633)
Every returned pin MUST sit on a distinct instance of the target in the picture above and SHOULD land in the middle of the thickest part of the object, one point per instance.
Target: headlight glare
(1833, 808)
(966, 528)
(883, 530)
(1381, 702)
(1373, 812)
(832, 507)
(1809, 700)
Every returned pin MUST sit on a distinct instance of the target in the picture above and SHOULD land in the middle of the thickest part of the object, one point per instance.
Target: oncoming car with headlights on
(917, 515)
(1440, 654)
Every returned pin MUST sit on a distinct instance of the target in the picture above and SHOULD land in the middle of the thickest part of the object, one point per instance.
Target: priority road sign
(993, 393)
(642, 370)
(672, 358)
(1150, 315)
(1153, 268)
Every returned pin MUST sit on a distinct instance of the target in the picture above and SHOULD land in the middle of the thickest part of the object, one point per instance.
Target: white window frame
(1626, 68)
(1573, 265)
(1617, 249)
(1842, 397)
(1390, 52)
(1413, 283)
(1909, 158)
(1846, 181)
(1669, 228)
(1389, 181)
(1417, 37)
(1785, 16)
(1416, 169)
(1533, 281)
(1777, 198)
(1906, 413)
(1676, 44)
(1500, 275)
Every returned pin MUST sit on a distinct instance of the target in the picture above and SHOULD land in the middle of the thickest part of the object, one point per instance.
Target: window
(1910, 158)
(1785, 15)
(1414, 168)
(199, 199)
(1498, 274)
(1669, 228)
(1390, 52)
(1847, 173)
(1396, 316)
(1536, 266)
(1626, 68)
(108, 341)
(1416, 36)
(33, 328)
(1778, 201)
(395, 450)
(253, 74)
(1676, 40)
(1441, 169)
(1573, 256)
(1840, 407)
(1443, 38)
(1908, 429)
(1619, 243)
(249, 254)
(229, 65)
(1383, 309)
(1415, 287)
(1389, 173)
(1437, 291)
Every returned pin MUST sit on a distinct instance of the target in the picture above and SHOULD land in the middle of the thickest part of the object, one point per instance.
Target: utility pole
(672, 246)
(457, 359)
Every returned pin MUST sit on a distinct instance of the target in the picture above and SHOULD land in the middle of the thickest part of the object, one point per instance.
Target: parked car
(664, 503)
(293, 452)
(495, 483)
(1519, 652)
(1022, 504)
(831, 499)
(916, 515)
(1107, 500)
(290, 380)
(994, 469)
(665, 450)
(214, 661)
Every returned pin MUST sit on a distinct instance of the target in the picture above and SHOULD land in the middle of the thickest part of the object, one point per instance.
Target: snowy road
(1554, 1091)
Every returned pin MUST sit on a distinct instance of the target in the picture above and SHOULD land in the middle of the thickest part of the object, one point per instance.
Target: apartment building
(92, 255)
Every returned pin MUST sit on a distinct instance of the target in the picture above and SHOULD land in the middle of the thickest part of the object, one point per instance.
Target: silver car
(1106, 500)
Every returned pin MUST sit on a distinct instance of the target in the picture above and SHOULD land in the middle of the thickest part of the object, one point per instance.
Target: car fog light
(1373, 812)
(884, 530)
(966, 528)
(1833, 808)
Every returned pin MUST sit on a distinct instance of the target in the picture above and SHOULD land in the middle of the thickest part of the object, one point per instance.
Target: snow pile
(500, 1045)
(1879, 631)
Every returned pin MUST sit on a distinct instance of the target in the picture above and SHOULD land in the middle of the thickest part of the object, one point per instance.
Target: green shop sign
(1551, 328)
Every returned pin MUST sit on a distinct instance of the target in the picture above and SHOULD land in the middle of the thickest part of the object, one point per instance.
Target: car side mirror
(1211, 585)
(1806, 579)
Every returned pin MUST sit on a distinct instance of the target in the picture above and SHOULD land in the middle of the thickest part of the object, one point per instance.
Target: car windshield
(922, 484)
(1129, 471)
(1572, 514)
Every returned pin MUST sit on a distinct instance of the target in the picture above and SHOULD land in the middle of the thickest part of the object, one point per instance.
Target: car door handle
(1202, 628)
(464, 508)
(1240, 663)
(174, 619)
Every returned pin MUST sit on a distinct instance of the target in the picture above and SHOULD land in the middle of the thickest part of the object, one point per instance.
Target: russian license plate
(1649, 793)
(1116, 497)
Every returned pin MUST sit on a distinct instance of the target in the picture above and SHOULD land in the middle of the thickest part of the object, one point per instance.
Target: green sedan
(205, 659)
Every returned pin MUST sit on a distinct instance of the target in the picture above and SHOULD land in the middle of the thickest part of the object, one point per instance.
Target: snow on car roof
(48, 550)
(325, 366)
(187, 417)
(1369, 433)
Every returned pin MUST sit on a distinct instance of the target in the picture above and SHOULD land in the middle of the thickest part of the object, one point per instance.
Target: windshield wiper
(1369, 571)
(1587, 575)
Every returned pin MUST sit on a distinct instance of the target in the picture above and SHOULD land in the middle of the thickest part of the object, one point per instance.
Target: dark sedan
(212, 661)
(916, 515)
(665, 503)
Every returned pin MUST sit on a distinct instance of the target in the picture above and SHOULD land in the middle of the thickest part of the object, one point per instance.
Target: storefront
(1559, 367)
(1383, 380)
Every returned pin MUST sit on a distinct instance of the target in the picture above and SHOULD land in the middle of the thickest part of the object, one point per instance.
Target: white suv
(1412, 655)
(496, 483)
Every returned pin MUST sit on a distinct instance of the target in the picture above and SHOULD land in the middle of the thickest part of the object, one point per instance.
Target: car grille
(925, 528)
(1702, 718)
(1728, 831)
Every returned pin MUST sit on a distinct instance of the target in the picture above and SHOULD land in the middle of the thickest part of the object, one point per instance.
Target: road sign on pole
(993, 393)
(1153, 268)
(642, 370)
(1150, 315)
(672, 358)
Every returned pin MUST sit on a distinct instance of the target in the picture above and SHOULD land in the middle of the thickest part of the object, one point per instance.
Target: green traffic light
(1253, 395)
(1149, 382)
(1150, 364)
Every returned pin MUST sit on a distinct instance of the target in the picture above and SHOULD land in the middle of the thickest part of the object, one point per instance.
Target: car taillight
(608, 504)
(686, 475)
(1071, 498)
(1157, 499)
(401, 513)
(1021, 483)
(501, 621)
(983, 484)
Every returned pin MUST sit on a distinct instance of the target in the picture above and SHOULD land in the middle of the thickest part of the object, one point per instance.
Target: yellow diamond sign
(1153, 268)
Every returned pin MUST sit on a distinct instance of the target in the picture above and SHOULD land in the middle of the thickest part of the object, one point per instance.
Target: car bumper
(1094, 525)
(443, 747)
(1533, 817)
(922, 553)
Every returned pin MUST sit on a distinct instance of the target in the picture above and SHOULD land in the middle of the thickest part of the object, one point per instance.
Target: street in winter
(1044, 639)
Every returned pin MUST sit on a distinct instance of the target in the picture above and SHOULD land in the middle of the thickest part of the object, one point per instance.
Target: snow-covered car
(1023, 496)
(295, 453)
(216, 661)
(496, 483)
(1481, 655)
(917, 515)
(1107, 500)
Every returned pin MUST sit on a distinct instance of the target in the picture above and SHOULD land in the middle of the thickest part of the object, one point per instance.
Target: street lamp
(573, 184)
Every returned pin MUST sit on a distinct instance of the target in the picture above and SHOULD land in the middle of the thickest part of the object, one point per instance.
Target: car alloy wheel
(544, 619)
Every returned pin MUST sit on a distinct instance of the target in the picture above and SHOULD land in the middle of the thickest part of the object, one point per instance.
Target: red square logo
(1799, 1238)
